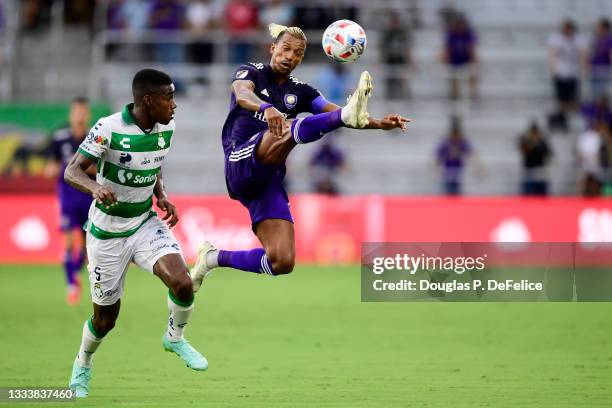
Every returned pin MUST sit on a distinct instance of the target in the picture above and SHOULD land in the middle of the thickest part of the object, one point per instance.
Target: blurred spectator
(597, 110)
(35, 14)
(588, 158)
(325, 165)
(276, 11)
(605, 156)
(536, 154)
(241, 18)
(340, 10)
(114, 17)
(133, 16)
(200, 20)
(336, 82)
(312, 16)
(167, 16)
(566, 51)
(79, 11)
(451, 156)
(395, 48)
(460, 56)
(600, 61)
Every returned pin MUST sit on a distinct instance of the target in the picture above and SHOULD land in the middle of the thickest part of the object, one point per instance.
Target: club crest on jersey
(290, 101)
(161, 142)
(242, 74)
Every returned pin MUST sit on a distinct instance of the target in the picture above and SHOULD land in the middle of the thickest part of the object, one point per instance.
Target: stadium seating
(515, 88)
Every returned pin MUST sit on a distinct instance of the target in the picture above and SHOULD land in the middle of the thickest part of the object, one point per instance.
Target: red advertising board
(331, 229)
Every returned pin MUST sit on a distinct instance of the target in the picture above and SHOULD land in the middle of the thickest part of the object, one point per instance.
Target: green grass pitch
(307, 340)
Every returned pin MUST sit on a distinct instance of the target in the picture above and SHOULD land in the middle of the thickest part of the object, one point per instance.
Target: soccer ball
(344, 41)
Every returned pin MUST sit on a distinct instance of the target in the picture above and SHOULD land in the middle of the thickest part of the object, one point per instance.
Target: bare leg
(278, 239)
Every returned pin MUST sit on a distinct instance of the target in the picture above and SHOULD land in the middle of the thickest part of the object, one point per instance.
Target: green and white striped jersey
(128, 161)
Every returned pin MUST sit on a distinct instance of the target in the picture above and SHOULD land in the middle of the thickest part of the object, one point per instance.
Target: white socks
(89, 344)
(179, 315)
(212, 259)
(344, 115)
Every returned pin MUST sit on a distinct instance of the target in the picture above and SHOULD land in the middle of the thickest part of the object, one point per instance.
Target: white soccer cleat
(355, 113)
(201, 269)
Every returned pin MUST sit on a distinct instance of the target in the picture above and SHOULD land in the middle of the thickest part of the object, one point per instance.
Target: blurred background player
(258, 136)
(74, 204)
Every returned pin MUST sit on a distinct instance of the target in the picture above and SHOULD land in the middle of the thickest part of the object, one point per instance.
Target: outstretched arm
(76, 176)
(247, 99)
(388, 122)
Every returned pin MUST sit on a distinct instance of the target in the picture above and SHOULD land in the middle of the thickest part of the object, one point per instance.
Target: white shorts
(109, 259)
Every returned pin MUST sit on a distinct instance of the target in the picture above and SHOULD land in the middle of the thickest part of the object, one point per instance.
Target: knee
(103, 324)
(182, 287)
(282, 264)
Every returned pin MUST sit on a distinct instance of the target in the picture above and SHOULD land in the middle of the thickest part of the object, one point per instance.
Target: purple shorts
(259, 187)
(73, 216)
(74, 207)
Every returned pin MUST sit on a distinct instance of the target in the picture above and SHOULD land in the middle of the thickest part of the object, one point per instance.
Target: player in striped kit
(129, 148)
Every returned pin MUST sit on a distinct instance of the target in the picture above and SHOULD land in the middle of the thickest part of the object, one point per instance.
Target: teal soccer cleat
(184, 350)
(79, 380)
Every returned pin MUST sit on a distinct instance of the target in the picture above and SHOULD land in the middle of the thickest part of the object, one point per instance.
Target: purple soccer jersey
(259, 186)
(290, 98)
(74, 204)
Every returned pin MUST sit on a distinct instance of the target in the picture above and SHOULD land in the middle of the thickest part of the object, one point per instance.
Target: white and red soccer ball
(344, 41)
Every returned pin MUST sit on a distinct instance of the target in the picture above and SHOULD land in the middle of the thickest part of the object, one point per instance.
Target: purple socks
(72, 266)
(254, 260)
(69, 268)
(312, 128)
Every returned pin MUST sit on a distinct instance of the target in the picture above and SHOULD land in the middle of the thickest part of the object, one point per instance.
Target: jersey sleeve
(246, 73)
(312, 99)
(97, 141)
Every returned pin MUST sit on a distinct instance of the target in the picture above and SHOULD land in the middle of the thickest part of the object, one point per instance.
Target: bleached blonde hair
(277, 30)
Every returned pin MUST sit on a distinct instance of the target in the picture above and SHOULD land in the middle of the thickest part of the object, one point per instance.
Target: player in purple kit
(74, 205)
(259, 133)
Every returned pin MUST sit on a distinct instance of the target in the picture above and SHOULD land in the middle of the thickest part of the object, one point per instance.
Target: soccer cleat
(355, 114)
(185, 351)
(79, 380)
(201, 269)
(74, 295)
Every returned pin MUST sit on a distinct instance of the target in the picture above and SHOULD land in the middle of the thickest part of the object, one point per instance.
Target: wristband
(265, 106)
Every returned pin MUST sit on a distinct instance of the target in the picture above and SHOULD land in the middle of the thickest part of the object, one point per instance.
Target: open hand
(393, 121)
(171, 216)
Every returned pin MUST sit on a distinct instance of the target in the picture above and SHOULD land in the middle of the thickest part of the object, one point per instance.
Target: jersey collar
(126, 114)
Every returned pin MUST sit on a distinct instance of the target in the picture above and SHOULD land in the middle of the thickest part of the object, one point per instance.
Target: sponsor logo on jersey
(124, 158)
(125, 176)
(99, 139)
(158, 159)
(242, 74)
(290, 101)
